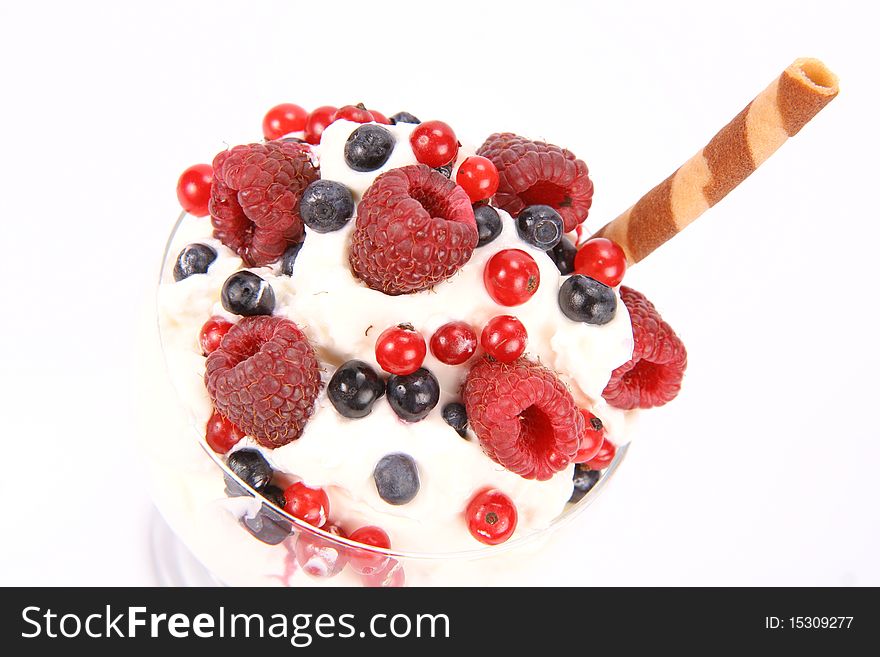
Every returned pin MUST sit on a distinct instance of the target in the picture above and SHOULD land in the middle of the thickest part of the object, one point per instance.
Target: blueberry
(455, 415)
(268, 525)
(403, 117)
(563, 255)
(397, 478)
(326, 206)
(245, 293)
(194, 259)
(488, 223)
(413, 396)
(583, 299)
(354, 388)
(540, 226)
(275, 495)
(289, 258)
(234, 487)
(368, 147)
(584, 480)
(295, 140)
(445, 170)
(251, 467)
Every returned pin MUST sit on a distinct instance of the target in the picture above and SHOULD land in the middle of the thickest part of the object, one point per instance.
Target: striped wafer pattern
(779, 112)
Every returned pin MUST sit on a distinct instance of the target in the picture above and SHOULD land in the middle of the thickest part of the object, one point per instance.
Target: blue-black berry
(414, 395)
(244, 293)
(251, 467)
(289, 258)
(540, 226)
(234, 488)
(268, 525)
(193, 259)
(397, 478)
(403, 117)
(275, 495)
(583, 299)
(368, 147)
(455, 415)
(445, 170)
(488, 223)
(563, 255)
(584, 480)
(354, 388)
(326, 205)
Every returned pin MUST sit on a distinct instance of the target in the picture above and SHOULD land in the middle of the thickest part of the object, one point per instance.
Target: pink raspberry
(653, 376)
(415, 228)
(524, 417)
(538, 173)
(264, 378)
(255, 198)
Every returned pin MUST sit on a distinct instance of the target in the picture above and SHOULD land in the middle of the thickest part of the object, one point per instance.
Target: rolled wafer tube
(741, 146)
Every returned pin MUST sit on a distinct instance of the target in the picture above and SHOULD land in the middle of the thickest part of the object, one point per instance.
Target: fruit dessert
(412, 344)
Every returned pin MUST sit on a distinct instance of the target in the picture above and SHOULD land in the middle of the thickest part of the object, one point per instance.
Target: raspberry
(264, 378)
(538, 173)
(255, 198)
(524, 417)
(653, 376)
(414, 229)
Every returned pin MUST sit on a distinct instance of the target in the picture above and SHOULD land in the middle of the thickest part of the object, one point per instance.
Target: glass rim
(568, 514)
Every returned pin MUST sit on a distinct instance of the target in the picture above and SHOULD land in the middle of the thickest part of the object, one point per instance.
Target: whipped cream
(342, 318)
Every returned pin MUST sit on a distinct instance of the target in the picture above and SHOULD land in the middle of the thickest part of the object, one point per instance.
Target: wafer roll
(741, 146)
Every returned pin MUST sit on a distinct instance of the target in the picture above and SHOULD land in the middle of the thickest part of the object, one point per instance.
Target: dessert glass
(223, 532)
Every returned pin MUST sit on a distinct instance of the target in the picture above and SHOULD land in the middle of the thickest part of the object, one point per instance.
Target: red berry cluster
(491, 517)
(592, 441)
(287, 117)
(321, 557)
(194, 189)
(194, 184)
(212, 333)
(434, 143)
(220, 434)
(511, 277)
(401, 349)
(602, 260)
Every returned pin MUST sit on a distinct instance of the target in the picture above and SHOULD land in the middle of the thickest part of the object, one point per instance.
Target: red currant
(592, 440)
(602, 260)
(603, 459)
(511, 277)
(504, 338)
(434, 143)
(378, 117)
(309, 504)
(356, 113)
(194, 189)
(400, 350)
(491, 517)
(317, 121)
(284, 119)
(478, 177)
(221, 434)
(367, 562)
(212, 333)
(454, 343)
(391, 576)
(319, 556)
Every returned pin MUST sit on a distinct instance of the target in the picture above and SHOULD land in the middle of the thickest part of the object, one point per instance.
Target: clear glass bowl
(241, 538)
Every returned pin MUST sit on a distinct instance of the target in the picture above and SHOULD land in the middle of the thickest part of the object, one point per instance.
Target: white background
(766, 469)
